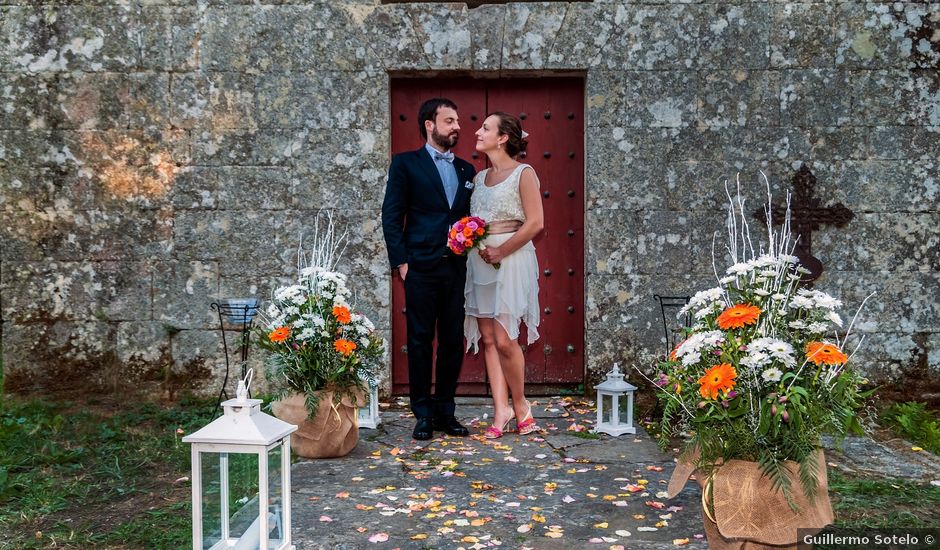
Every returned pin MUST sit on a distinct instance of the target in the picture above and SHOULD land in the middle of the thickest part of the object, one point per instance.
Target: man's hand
(403, 271)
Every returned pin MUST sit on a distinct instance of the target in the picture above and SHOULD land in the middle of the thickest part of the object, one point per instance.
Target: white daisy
(773, 374)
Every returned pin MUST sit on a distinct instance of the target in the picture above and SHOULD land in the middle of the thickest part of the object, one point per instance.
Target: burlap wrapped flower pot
(741, 510)
(332, 432)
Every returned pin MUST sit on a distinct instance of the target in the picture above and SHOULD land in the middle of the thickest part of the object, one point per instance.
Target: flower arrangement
(762, 372)
(466, 233)
(315, 338)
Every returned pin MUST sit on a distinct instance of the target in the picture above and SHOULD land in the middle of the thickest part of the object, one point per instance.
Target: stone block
(735, 36)
(237, 237)
(738, 98)
(906, 242)
(401, 48)
(699, 185)
(108, 234)
(655, 37)
(253, 187)
(59, 355)
(228, 36)
(49, 291)
(70, 38)
(486, 36)
(118, 168)
(862, 185)
(361, 186)
(195, 188)
(170, 39)
(801, 35)
(610, 241)
(586, 28)
(903, 97)
(198, 363)
(882, 35)
(24, 234)
(642, 98)
(528, 33)
(904, 142)
(143, 350)
(800, 91)
(182, 293)
(25, 100)
(263, 147)
(89, 101)
(444, 32)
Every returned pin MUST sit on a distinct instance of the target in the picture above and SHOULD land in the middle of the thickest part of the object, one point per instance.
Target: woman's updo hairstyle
(511, 127)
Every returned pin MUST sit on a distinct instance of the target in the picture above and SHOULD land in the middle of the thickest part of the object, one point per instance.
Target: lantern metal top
(243, 423)
(615, 382)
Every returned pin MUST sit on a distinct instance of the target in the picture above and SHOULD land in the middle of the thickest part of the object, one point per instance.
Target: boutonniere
(468, 184)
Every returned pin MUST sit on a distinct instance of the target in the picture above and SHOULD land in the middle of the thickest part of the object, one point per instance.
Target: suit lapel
(430, 170)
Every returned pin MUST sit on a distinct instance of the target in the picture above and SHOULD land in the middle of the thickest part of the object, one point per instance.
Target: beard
(442, 141)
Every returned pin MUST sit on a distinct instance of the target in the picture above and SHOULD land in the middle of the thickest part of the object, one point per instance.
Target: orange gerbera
(342, 314)
(344, 346)
(738, 315)
(718, 378)
(822, 352)
(672, 354)
(279, 334)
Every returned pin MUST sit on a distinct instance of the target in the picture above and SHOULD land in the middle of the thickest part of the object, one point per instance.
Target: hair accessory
(525, 134)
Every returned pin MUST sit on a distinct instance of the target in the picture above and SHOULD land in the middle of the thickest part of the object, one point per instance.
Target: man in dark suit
(427, 191)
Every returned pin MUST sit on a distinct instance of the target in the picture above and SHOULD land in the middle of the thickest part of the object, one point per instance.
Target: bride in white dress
(507, 197)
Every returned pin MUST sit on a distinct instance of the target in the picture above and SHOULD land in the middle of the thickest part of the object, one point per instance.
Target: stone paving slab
(893, 458)
(555, 490)
(519, 492)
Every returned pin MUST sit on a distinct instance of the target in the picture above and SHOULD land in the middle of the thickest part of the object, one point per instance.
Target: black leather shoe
(423, 429)
(450, 426)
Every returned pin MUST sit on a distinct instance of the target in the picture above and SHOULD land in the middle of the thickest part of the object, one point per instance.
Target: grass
(84, 476)
(863, 503)
(913, 421)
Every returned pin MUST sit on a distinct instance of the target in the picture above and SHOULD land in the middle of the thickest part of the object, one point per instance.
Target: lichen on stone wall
(156, 156)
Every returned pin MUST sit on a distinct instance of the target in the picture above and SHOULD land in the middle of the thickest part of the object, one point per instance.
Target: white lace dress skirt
(509, 294)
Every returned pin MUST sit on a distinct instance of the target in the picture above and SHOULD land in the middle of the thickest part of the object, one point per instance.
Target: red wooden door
(552, 112)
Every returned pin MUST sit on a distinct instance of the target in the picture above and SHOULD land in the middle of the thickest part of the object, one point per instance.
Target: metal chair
(669, 307)
(240, 313)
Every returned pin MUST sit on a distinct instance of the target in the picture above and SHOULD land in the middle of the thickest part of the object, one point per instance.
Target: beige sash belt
(504, 226)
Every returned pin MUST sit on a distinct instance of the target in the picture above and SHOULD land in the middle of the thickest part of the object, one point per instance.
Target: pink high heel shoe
(527, 425)
(495, 433)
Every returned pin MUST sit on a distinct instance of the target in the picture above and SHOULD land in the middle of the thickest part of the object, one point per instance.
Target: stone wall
(158, 154)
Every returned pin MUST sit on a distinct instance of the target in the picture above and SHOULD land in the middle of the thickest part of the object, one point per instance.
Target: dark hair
(428, 111)
(511, 126)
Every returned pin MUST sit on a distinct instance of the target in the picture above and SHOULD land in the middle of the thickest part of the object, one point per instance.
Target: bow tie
(448, 156)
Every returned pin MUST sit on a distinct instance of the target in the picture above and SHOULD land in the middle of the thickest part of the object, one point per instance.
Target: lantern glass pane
(607, 405)
(623, 405)
(244, 521)
(211, 499)
(275, 504)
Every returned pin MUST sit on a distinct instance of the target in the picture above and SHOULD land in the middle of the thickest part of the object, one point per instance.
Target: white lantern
(615, 404)
(369, 416)
(241, 478)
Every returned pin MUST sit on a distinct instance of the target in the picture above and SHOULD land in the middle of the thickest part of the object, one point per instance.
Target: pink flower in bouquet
(467, 233)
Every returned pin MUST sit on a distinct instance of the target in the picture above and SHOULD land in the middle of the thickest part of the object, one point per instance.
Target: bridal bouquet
(762, 373)
(467, 233)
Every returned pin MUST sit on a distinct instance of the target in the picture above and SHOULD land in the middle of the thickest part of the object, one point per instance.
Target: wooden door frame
(543, 388)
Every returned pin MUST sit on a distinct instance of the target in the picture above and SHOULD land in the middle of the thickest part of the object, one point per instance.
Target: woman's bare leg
(513, 363)
(502, 412)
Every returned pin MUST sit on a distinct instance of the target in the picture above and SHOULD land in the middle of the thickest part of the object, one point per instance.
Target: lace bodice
(500, 202)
